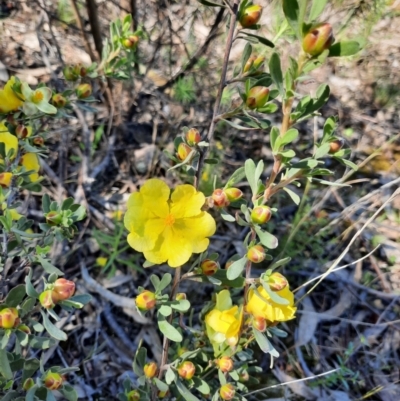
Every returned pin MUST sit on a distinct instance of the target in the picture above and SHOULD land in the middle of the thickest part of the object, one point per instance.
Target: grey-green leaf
(185, 393)
(5, 368)
(168, 330)
(264, 343)
(345, 48)
(15, 296)
(276, 71)
(54, 331)
(236, 268)
(267, 239)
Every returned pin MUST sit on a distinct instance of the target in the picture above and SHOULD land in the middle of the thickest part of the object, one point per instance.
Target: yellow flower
(31, 162)
(10, 141)
(223, 323)
(262, 305)
(5, 179)
(168, 227)
(101, 261)
(9, 101)
(37, 100)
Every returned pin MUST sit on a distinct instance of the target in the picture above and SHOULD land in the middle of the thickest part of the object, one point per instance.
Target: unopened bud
(53, 218)
(63, 289)
(24, 328)
(261, 214)
(193, 137)
(81, 70)
(257, 97)
(130, 41)
(38, 141)
(146, 300)
(5, 179)
(182, 350)
(183, 151)
(209, 267)
(186, 370)
(59, 100)
(180, 296)
(83, 91)
(150, 370)
(318, 39)
(220, 198)
(162, 394)
(250, 16)
(69, 73)
(336, 145)
(249, 63)
(256, 254)
(277, 281)
(8, 318)
(21, 131)
(227, 391)
(233, 194)
(28, 383)
(53, 381)
(46, 299)
(259, 323)
(244, 377)
(225, 364)
(258, 62)
(133, 395)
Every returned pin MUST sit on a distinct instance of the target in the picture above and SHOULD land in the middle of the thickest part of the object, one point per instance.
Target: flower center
(37, 97)
(170, 220)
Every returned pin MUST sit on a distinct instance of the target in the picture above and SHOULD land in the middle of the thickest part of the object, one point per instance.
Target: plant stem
(221, 87)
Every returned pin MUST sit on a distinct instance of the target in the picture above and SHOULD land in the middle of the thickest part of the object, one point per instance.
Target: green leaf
(276, 71)
(291, 11)
(347, 163)
(331, 183)
(279, 263)
(166, 279)
(236, 268)
(246, 55)
(165, 310)
(322, 151)
(41, 342)
(226, 216)
(139, 361)
(5, 368)
(201, 386)
(30, 367)
(185, 393)
(15, 296)
(236, 177)
(54, 331)
(264, 343)
(160, 385)
(345, 48)
(46, 203)
(237, 126)
(289, 137)
(274, 135)
(289, 153)
(168, 330)
(30, 395)
(316, 9)
(211, 161)
(181, 306)
(50, 396)
(295, 198)
(69, 392)
(170, 376)
(48, 267)
(210, 3)
(81, 298)
(30, 290)
(250, 171)
(221, 276)
(261, 39)
(267, 239)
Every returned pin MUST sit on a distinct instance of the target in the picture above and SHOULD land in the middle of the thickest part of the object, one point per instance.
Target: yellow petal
(31, 162)
(186, 201)
(9, 101)
(10, 141)
(5, 180)
(155, 195)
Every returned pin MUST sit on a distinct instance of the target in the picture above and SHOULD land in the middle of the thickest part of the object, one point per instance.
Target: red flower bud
(257, 97)
(24, 328)
(146, 300)
(38, 141)
(133, 395)
(193, 137)
(186, 370)
(180, 296)
(46, 299)
(336, 145)
(130, 42)
(70, 74)
(150, 370)
(233, 194)
(250, 16)
(21, 131)
(259, 61)
(244, 377)
(277, 282)
(318, 39)
(209, 267)
(261, 214)
(8, 318)
(63, 289)
(256, 254)
(53, 218)
(59, 100)
(259, 323)
(225, 364)
(53, 381)
(83, 91)
(249, 63)
(183, 151)
(220, 198)
(227, 391)
(28, 383)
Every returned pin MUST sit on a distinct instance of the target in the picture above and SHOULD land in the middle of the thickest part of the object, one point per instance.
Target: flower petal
(186, 201)
(155, 194)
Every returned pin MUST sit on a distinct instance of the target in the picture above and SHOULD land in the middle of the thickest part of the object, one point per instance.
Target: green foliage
(184, 90)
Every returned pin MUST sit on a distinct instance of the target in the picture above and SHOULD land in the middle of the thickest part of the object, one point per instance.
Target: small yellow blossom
(10, 141)
(9, 101)
(31, 162)
(263, 306)
(5, 179)
(168, 227)
(223, 323)
(101, 261)
(15, 215)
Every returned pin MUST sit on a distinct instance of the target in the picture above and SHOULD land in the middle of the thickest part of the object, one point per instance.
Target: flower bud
(38, 141)
(133, 395)
(256, 254)
(277, 281)
(130, 42)
(46, 299)
(59, 100)
(257, 97)
(261, 214)
(259, 61)
(53, 381)
(244, 377)
(82, 71)
(225, 364)
(209, 267)
(182, 350)
(336, 145)
(232, 341)
(259, 323)
(8, 318)
(83, 91)
(63, 289)
(69, 73)
(21, 131)
(227, 391)
(183, 151)
(146, 300)
(150, 370)
(53, 218)
(250, 16)
(162, 394)
(28, 383)
(233, 194)
(318, 39)
(193, 137)
(220, 198)
(5, 179)
(186, 370)
(180, 296)
(24, 328)
(249, 63)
